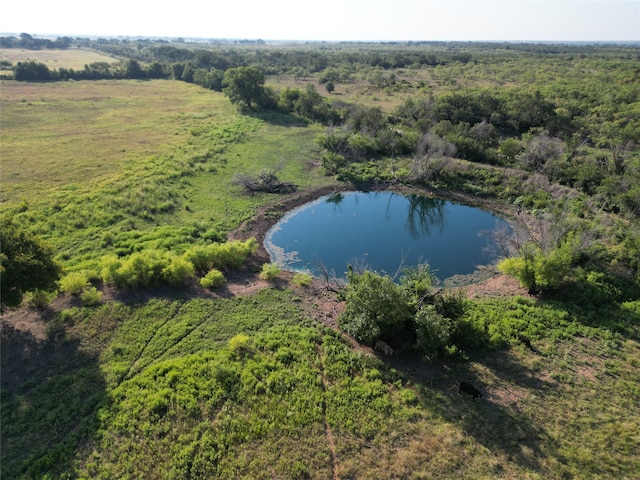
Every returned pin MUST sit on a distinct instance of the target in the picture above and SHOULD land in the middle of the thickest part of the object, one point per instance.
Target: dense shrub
(91, 296)
(270, 272)
(302, 279)
(74, 283)
(152, 267)
(213, 279)
(221, 256)
(146, 268)
(409, 315)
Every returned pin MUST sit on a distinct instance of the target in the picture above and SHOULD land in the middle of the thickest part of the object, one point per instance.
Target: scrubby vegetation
(116, 189)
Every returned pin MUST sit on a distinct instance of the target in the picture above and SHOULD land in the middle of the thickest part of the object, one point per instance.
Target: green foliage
(156, 267)
(146, 268)
(213, 279)
(269, 272)
(222, 256)
(26, 264)
(302, 279)
(433, 331)
(74, 283)
(245, 87)
(91, 296)
(539, 269)
(375, 308)
(408, 315)
(519, 268)
(418, 281)
(39, 299)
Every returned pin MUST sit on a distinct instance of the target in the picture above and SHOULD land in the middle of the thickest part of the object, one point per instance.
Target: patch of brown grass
(57, 134)
(75, 58)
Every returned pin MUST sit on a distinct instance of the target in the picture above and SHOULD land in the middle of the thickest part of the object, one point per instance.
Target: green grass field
(111, 157)
(166, 384)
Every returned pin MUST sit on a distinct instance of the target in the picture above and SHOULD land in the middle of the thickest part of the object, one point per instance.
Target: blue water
(381, 231)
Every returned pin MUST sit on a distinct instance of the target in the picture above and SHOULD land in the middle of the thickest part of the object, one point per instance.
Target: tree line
(28, 42)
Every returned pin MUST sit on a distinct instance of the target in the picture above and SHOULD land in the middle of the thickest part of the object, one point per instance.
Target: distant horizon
(558, 21)
(53, 36)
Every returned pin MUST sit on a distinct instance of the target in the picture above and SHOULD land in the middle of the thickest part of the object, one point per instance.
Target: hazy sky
(545, 20)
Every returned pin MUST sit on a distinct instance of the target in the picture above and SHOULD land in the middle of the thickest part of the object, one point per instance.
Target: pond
(381, 231)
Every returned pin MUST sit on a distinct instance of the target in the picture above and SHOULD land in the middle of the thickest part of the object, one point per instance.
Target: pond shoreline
(267, 216)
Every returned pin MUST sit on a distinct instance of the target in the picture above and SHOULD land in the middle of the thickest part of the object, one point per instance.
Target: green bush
(91, 296)
(270, 272)
(433, 331)
(302, 279)
(146, 268)
(538, 269)
(376, 308)
(221, 256)
(409, 315)
(39, 299)
(177, 271)
(213, 279)
(74, 283)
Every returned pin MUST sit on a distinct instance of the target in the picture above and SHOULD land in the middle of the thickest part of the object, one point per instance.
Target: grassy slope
(163, 387)
(156, 388)
(115, 163)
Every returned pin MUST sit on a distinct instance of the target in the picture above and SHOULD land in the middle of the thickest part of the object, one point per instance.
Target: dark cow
(526, 342)
(534, 291)
(470, 390)
(384, 348)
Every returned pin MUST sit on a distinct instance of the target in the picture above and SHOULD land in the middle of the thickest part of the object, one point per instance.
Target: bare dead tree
(433, 155)
(265, 181)
(332, 284)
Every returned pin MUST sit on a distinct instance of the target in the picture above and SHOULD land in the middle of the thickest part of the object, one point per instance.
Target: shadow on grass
(51, 392)
(497, 421)
(279, 119)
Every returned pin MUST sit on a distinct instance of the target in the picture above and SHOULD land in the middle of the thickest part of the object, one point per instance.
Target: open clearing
(54, 59)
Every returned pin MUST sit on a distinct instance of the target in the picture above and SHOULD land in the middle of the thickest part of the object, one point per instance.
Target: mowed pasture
(74, 58)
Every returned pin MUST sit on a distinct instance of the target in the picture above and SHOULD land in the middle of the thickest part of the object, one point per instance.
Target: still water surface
(378, 230)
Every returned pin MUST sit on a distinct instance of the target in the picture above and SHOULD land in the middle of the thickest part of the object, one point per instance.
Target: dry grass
(58, 134)
(54, 59)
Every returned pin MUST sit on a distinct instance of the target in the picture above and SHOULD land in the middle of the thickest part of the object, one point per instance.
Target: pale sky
(359, 20)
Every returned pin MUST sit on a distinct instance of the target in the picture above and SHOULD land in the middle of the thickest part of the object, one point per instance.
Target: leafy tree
(376, 308)
(543, 260)
(408, 315)
(26, 264)
(433, 331)
(31, 71)
(244, 86)
(155, 70)
(133, 70)
(509, 149)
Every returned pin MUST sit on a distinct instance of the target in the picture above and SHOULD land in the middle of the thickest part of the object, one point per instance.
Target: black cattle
(470, 390)
(526, 342)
